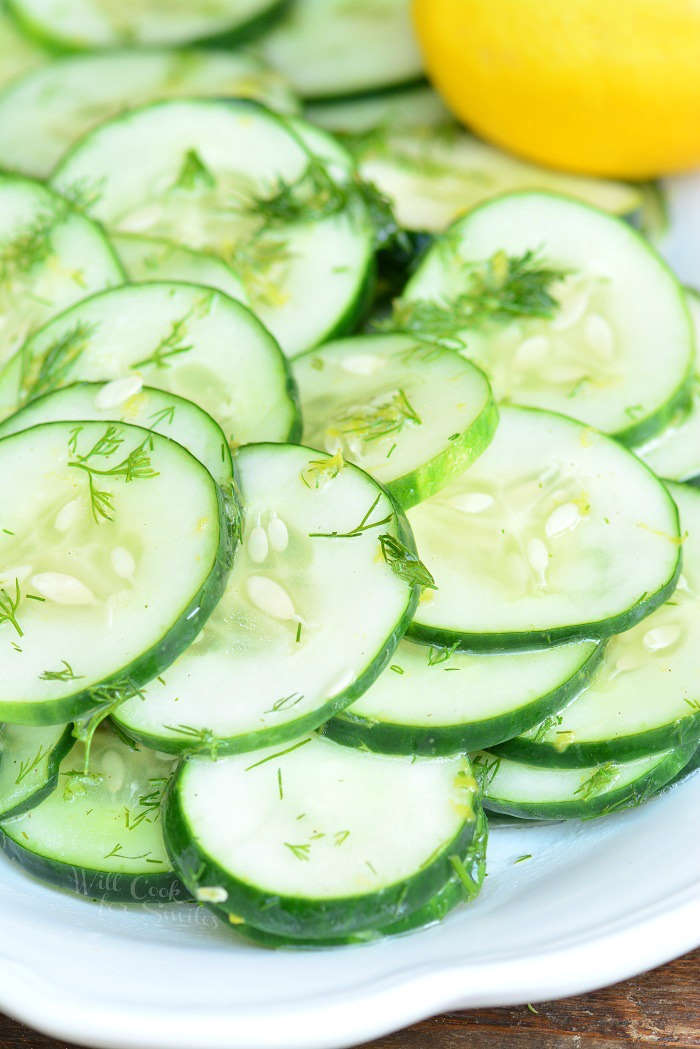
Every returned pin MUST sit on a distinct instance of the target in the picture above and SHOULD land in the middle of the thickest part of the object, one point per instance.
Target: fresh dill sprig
(301, 852)
(50, 370)
(365, 525)
(194, 174)
(498, 290)
(371, 422)
(340, 836)
(119, 854)
(9, 606)
(598, 781)
(318, 472)
(165, 415)
(135, 466)
(104, 699)
(471, 887)
(694, 705)
(437, 655)
(28, 766)
(279, 754)
(150, 805)
(285, 703)
(313, 196)
(28, 246)
(171, 345)
(546, 726)
(65, 674)
(405, 563)
(202, 738)
(485, 769)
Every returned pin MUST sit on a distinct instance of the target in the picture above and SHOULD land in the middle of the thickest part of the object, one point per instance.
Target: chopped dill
(471, 888)
(171, 345)
(598, 781)
(397, 669)
(165, 415)
(28, 766)
(65, 674)
(136, 466)
(386, 415)
(9, 606)
(194, 174)
(44, 373)
(301, 852)
(340, 836)
(298, 634)
(280, 787)
(523, 858)
(279, 754)
(365, 525)
(285, 703)
(437, 655)
(405, 563)
(318, 472)
(105, 699)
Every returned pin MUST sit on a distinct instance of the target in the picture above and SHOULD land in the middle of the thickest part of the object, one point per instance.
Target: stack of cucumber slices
(340, 515)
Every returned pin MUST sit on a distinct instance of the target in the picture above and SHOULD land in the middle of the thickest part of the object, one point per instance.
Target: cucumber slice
(295, 638)
(18, 53)
(50, 257)
(644, 698)
(90, 606)
(327, 840)
(165, 413)
(460, 888)
(555, 533)
(99, 833)
(438, 701)
(519, 789)
(413, 414)
(185, 339)
(546, 293)
(434, 174)
(675, 452)
(234, 179)
(330, 48)
(42, 115)
(408, 107)
(29, 759)
(148, 259)
(85, 24)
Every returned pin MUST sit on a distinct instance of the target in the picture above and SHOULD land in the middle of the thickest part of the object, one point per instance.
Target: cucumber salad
(352, 498)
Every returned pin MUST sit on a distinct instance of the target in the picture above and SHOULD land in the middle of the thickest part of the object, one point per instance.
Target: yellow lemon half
(607, 87)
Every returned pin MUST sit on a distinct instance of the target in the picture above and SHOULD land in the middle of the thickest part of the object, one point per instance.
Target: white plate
(598, 902)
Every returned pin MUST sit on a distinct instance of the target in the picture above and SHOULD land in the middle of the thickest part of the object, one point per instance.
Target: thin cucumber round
(90, 604)
(556, 533)
(329, 48)
(675, 452)
(434, 174)
(327, 840)
(186, 339)
(45, 113)
(545, 293)
(50, 257)
(18, 52)
(235, 179)
(461, 888)
(86, 24)
(148, 259)
(413, 414)
(414, 106)
(129, 402)
(30, 756)
(320, 593)
(438, 701)
(99, 832)
(645, 696)
(520, 789)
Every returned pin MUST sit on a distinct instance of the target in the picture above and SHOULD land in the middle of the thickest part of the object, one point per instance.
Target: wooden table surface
(659, 1009)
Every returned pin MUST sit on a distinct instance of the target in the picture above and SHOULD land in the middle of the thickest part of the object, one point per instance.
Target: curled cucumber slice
(644, 697)
(99, 832)
(90, 604)
(295, 638)
(319, 847)
(411, 413)
(555, 533)
(30, 756)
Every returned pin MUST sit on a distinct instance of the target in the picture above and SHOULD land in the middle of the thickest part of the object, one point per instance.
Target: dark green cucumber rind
(149, 664)
(58, 45)
(297, 916)
(353, 730)
(652, 217)
(435, 910)
(516, 640)
(644, 429)
(139, 886)
(242, 744)
(679, 733)
(61, 750)
(453, 460)
(686, 772)
(630, 796)
(395, 87)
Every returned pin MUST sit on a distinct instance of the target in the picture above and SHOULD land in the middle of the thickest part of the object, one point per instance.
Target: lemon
(605, 87)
